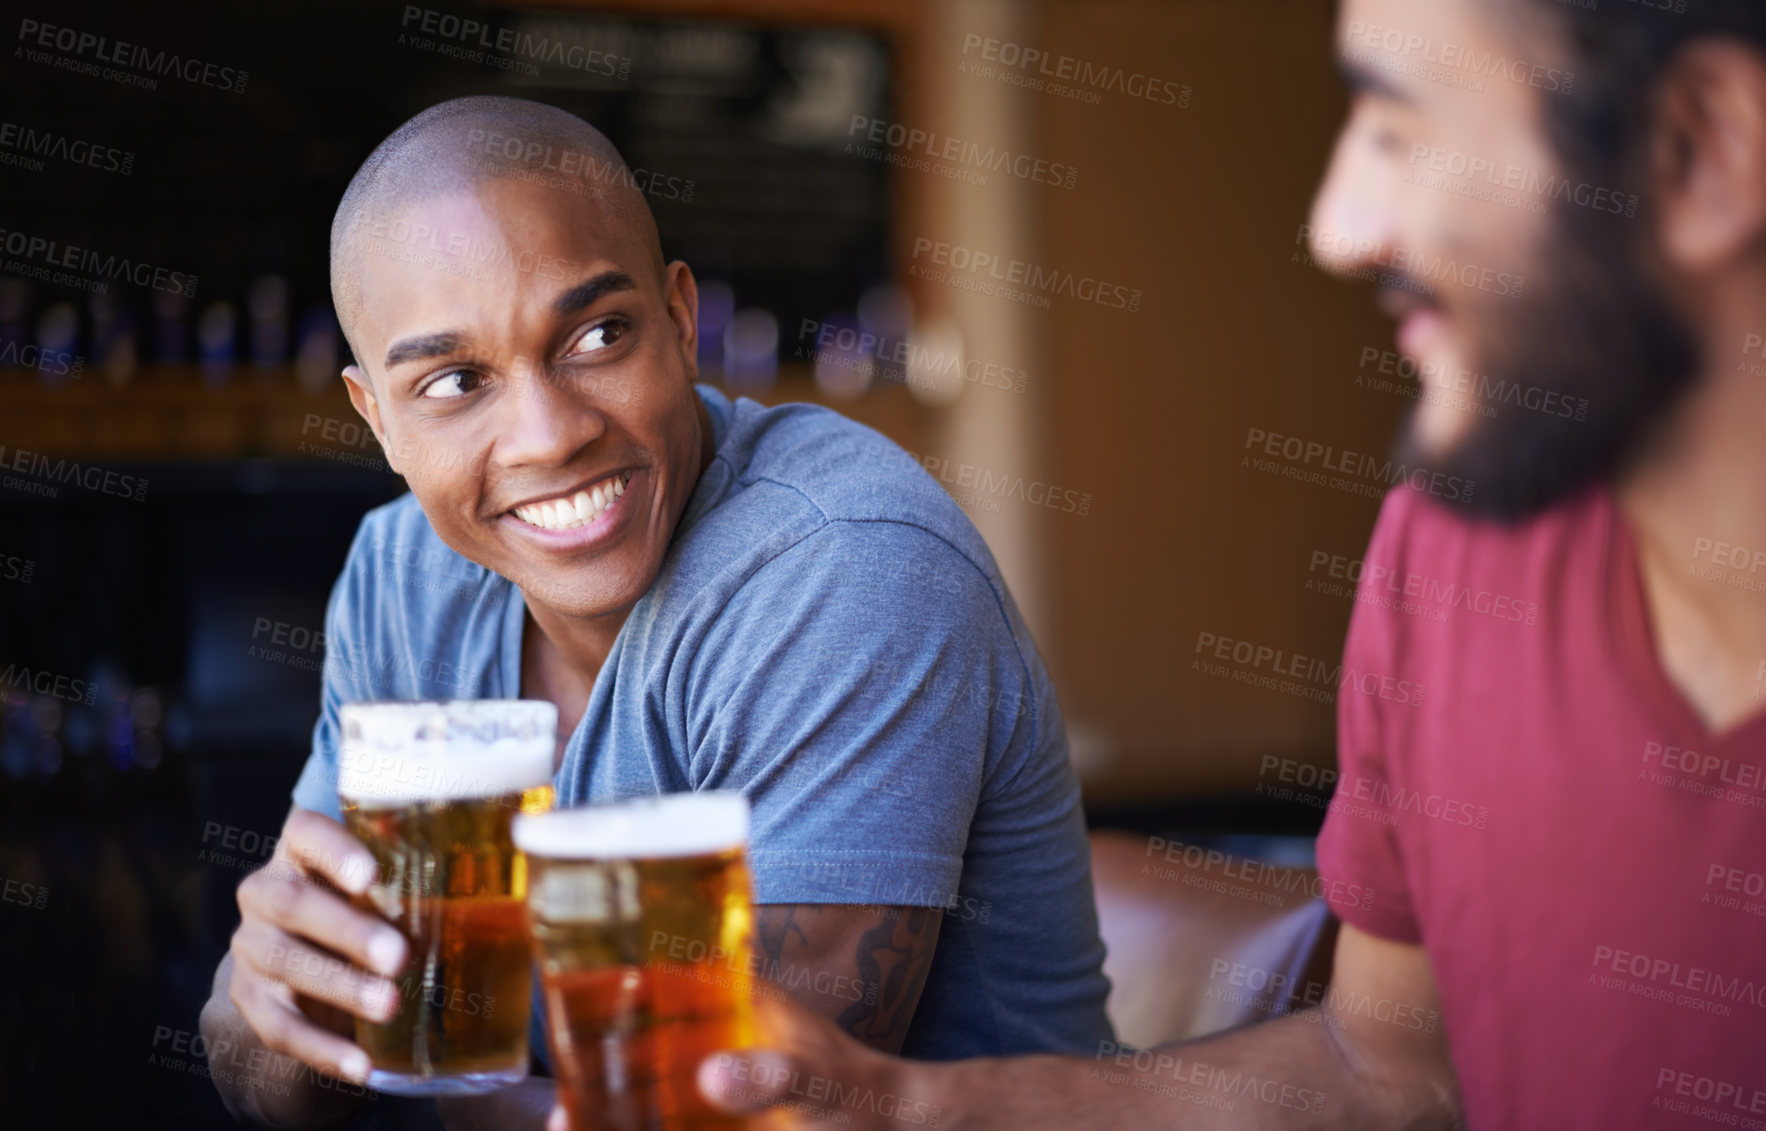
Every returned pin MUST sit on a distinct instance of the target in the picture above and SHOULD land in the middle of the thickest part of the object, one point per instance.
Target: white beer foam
(397, 754)
(646, 828)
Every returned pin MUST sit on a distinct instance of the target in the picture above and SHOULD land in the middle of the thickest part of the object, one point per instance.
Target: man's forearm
(261, 1086)
(1293, 1073)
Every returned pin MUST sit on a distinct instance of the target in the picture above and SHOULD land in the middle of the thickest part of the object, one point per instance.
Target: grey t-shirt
(830, 635)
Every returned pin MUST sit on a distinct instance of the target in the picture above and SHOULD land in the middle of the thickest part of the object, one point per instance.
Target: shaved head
(455, 148)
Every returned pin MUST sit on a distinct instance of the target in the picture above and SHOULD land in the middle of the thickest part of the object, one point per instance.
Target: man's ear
(683, 312)
(362, 396)
(1708, 155)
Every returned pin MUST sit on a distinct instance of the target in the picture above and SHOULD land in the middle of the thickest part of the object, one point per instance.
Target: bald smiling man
(716, 595)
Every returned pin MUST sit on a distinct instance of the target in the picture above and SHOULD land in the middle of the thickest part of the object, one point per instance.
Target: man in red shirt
(1565, 839)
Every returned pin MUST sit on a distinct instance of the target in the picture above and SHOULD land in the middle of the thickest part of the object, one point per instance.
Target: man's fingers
(322, 847)
(307, 911)
(742, 1083)
(557, 1121)
(284, 1029)
(275, 955)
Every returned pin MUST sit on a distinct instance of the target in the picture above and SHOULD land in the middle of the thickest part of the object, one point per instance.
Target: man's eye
(598, 337)
(454, 383)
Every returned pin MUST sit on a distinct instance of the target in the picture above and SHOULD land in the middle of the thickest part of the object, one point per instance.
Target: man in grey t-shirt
(716, 595)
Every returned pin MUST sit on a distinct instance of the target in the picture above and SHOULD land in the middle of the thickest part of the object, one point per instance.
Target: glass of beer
(642, 928)
(433, 789)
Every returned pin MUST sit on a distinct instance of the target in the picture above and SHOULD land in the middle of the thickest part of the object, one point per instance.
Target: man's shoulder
(398, 563)
(844, 471)
(1439, 579)
(1418, 531)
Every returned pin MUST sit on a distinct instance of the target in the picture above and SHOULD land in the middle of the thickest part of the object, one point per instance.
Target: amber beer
(433, 789)
(642, 922)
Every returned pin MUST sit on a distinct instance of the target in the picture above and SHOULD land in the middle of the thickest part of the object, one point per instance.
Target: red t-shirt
(1542, 810)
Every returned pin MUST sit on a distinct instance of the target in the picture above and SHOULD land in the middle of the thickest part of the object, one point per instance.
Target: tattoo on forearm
(774, 928)
(893, 958)
(879, 957)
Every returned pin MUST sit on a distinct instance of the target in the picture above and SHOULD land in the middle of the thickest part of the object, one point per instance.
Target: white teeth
(578, 510)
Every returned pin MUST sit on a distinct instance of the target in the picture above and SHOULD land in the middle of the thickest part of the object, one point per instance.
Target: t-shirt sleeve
(340, 683)
(861, 687)
(1360, 857)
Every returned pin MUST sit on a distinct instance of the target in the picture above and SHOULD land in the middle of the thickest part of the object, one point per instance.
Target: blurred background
(181, 472)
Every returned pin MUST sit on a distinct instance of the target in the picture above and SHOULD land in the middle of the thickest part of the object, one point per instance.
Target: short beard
(1599, 330)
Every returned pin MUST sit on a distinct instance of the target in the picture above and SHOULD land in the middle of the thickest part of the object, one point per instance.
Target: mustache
(1401, 297)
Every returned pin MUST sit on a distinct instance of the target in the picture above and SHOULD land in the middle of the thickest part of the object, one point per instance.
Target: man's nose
(1353, 219)
(542, 422)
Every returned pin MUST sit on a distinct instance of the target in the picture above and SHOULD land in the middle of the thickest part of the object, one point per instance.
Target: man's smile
(586, 506)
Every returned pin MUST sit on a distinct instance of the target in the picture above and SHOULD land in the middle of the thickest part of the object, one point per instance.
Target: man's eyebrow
(587, 292)
(1363, 79)
(425, 346)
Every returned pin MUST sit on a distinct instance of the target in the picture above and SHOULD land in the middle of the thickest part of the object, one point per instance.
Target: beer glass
(642, 922)
(432, 789)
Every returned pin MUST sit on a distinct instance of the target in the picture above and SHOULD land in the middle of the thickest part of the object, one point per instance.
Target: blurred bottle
(58, 332)
(171, 338)
(316, 365)
(112, 343)
(717, 304)
(751, 349)
(269, 322)
(216, 335)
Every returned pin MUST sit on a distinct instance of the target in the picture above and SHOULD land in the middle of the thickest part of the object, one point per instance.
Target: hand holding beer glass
(642, 925)
(432, 790)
